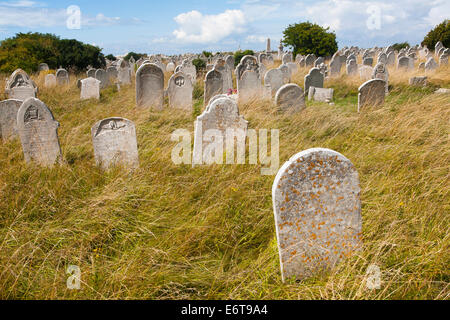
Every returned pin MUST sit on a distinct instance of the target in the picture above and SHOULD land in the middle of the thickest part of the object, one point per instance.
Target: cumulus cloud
(194, 27)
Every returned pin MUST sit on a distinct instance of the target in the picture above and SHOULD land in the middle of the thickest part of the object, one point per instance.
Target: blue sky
(171, 27)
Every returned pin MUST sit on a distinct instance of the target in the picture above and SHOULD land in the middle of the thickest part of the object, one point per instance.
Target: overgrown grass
(174, 232)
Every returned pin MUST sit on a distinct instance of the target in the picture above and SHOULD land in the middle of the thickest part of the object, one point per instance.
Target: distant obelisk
(268, 50)
(280, 50)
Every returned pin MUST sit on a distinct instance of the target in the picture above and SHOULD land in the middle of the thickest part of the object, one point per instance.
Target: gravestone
(115, 143)
(248, 63)
(430, 64)
(213, 85)
(335, 66)
(287, 57)
(38, 132)
(390, 61)
(314, 78)
(220, 115)
(19, 86)
(189, 69)
(318, 62)
(286, 72)
(309, 60)
(249, 87)
(293, 67)
(179, 91)
(43, 67)
(418, 81)
(8, 118)
(352, 67)
(290, 98)
(365, 72)
(112, 74)
(371, 93)
(102, 76)
(62, 77)
(381, 72)
(227, 75)
(443, 60)
(404, 63)
(90, 89)
(274, 80)
(320, 94)
(170, 67)
(368, 61)
(124, 72)
(91, 73)
(382, 58)
(317, 208)
(50, 80)
(230, 62)
(150, 86)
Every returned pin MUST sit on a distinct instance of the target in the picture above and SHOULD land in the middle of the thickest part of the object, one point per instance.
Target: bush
(199, 64)
(135, 55)
(207, 54)
(307, 38)
(399, 46)
(28, 50)
(110, 57)
(440, 33)
(239, 54)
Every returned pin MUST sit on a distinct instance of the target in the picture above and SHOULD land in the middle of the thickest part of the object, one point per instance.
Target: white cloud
(256, 39)
(194, 27)
(18, 4)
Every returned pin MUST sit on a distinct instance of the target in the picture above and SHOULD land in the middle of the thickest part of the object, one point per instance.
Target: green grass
(174, 232)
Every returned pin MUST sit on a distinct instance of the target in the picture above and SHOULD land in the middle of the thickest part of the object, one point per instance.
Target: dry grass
(174, 232)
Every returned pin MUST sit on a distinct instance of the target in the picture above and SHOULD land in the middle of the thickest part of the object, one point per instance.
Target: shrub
(399, 46)
(440, 33)
(239, 54)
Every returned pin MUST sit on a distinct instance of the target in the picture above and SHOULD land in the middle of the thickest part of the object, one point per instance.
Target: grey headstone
(150, 86)
(320, 94)
(418, 81)
(19, 86)
(371, 93)
(102, 76)
(213, 85)
(90, 89)
(179, 91)
(50, 80)
(274, 79)
(62, 77)
(314, 78)
(290, 98)
(249, 87)
(8, 118)
(381, 72)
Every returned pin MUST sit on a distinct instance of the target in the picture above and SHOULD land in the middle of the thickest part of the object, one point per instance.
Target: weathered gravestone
(19, 86)
(189, 69)
(382, 58)
(317, 208)
(368, 61)
(430, 65)
(365, 72)
(43, 67)
(381, 72)
(404, 63)
(293, 67)
(213, 85)
(91, 73)
(390, 61)
(371, 93)
(210, 131)
(320, 94)
(274, 80)
(102, 76)
(319, 61)
(418, 81)
(179, 91)
(249, 87)
(115, 143)
(8, 118)
(352, 67)
(90, 89)
(38, 132)
(248, 63)
(314, 78)
(335, 66)
(150, 86)
(286, 72)
(50, 80)
(227, 74)
(443, 60)
(62, 77)
(290, 98)
(112, 73)
(124, 72)
(309, 60)
(170, 67)
(287, 57)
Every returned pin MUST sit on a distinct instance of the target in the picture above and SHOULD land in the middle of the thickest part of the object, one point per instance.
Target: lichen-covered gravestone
(221, 114)
(90, 89)
(38, 132)
(180, 91)
(371, 93)
(62, 77)
(317, 208)
(314, 78)
(290, 98)
(115, 143)
(19, 86)
(150, 86)
(381, 72)
(8, 118)
(213, 85)
(418, 81)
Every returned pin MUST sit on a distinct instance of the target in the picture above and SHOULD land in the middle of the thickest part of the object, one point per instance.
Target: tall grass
(172, 232)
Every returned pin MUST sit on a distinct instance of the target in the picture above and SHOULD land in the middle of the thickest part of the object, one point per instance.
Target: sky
(175, 27)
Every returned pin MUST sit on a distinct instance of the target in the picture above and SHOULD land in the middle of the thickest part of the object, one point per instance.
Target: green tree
(135, 55)
(238, 55)
(199, 64)
(207, 54)
(306, 38)
(399, 46)
(111, 57)
(440, 33)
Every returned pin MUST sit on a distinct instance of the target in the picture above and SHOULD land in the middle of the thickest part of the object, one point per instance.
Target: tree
(440, 33)
(238, 55)
(199, 64)
(135, 55)
(111, 57)
(207, 54)
(28, 50)
(306, 38)
(399, 46)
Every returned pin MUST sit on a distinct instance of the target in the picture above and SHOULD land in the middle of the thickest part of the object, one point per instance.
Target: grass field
(176, 232)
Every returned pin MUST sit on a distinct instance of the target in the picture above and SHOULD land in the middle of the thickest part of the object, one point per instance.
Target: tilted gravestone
(8, 118)
(50, 80)
(179, 91)
(213, 85)
(115, 143)
(314, 78)
(19, 86)
(274, 80)
(381, 72)
(371, 93)
(382, 58)
(222, 114)
(62, 77)
(90, 89)
(317, 208)
(150, 86)
(38, 132)
(320, 94)
(102, 76)
(286, 72)
(430, 64)
(290, 98)
(335, 66)
(319, 61)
